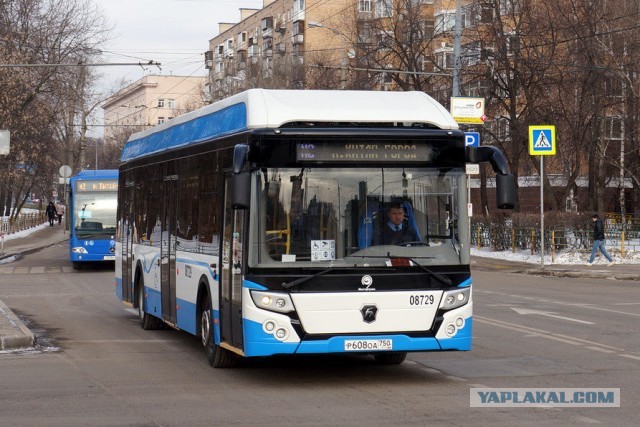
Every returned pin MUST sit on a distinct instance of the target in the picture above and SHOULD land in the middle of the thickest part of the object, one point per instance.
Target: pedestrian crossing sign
(542, 140)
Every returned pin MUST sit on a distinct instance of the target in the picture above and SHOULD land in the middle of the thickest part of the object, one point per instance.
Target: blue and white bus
(92, 216)
(252, 224)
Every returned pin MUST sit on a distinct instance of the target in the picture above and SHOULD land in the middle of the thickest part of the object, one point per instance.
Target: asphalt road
(96, 366)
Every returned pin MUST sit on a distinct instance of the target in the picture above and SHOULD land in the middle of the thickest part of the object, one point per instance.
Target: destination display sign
(362, 152)
(100, 185)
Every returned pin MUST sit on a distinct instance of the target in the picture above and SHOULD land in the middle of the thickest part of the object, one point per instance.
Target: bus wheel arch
(217, 356)
(147, 321)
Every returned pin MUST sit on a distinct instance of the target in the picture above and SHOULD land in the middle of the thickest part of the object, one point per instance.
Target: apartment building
(150, 101)
(319, 44)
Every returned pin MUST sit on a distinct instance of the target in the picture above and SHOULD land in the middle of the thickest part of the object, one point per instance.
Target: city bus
(251, 222)
(93, 197)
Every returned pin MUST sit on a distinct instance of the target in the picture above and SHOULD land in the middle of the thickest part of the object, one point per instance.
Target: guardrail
(22, 222)
(555, 240)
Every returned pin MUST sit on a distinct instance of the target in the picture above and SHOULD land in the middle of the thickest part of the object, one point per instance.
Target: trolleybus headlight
(273, 301)
(459, 322)
(451, 330)
(79, 250)
(455, 298)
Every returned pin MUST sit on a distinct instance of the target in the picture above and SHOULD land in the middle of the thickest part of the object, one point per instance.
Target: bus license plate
(368, 345)
(109, 258)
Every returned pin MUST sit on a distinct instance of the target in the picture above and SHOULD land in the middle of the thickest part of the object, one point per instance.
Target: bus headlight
(273, 301)
(79, 250)
(455, 298)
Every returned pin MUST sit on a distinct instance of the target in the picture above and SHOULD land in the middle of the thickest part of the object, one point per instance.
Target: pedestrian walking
(598, 240)
(60, 209)
(51, 212)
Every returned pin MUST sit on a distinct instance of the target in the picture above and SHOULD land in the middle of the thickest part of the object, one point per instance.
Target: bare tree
(40, 39)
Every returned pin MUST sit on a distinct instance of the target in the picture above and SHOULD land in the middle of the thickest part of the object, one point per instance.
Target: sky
(175, 33)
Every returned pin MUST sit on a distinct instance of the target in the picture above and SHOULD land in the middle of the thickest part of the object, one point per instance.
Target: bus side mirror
(505, 191)
(240, 190)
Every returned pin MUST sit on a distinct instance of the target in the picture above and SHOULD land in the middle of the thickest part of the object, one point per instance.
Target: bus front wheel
(217, 356)
(395, 358)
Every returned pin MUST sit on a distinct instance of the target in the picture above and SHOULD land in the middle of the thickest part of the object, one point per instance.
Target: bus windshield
(323, 217)
(95, 213)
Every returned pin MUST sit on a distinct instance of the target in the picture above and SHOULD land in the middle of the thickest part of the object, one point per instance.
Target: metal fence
(21, 222)
(496, 238)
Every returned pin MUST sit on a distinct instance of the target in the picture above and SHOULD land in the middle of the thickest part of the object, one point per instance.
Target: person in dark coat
(395, 230)
(51, 212)
(598, 240)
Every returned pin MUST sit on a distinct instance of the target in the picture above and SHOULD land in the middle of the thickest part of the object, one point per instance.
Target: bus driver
(395, 231)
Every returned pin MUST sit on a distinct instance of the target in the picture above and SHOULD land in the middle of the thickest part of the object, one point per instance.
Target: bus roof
(263, 108)
(97, 174)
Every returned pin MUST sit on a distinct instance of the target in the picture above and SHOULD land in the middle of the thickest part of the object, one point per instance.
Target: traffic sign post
(471, 139)
(542, 142)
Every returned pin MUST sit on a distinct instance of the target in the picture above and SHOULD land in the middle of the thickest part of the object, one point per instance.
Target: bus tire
(147, 321)
(76, 265)
(217, 356)
(394, 358)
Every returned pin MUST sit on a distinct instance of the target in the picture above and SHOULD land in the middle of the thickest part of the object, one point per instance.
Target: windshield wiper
(442, 278)
(289, 285)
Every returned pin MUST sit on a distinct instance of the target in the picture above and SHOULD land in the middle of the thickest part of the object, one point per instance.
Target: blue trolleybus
(92, 216)
(303, 222)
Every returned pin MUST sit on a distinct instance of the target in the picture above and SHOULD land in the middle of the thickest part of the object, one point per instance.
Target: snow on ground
(25, 233)
(566, 257)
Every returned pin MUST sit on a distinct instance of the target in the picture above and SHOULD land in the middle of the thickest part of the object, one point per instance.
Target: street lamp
(242, 80)
(343, 59)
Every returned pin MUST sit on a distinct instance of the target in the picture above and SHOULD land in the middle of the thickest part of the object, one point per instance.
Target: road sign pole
(542, 212)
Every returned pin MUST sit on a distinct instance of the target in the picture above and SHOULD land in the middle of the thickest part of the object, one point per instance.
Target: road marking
(549, 314)
(35, 270)
(630, 356)
(581, 305)
(545, 334)
(601, 349)
(627, 303)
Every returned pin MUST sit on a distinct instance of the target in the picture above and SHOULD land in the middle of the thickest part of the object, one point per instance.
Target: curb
(581, 275)
(14, 333)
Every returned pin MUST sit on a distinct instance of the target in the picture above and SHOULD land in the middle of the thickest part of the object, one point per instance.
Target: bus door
(168, 248)
(231, 277)
(126, 233)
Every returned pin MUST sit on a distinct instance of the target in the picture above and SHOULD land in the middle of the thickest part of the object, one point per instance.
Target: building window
(503, 132)
(445, 21)
(471, 53)
(513, 44)
(445, 58)
(160, 120)
(384, 8)
(364, 6)
(171, 103)
(160, 103)
(613, 128)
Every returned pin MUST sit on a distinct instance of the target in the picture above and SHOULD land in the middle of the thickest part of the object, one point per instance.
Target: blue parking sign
(472, 139)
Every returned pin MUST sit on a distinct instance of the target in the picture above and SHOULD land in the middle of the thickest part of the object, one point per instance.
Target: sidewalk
(618, 271)
(40, 239)
(13, 333)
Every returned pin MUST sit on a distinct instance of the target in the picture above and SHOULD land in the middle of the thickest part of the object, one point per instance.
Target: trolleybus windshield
(360, 217)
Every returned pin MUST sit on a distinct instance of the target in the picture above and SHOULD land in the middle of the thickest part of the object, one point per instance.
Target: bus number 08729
(421, 300)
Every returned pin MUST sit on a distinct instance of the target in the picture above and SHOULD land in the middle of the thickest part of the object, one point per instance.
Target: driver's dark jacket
(388, 236)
